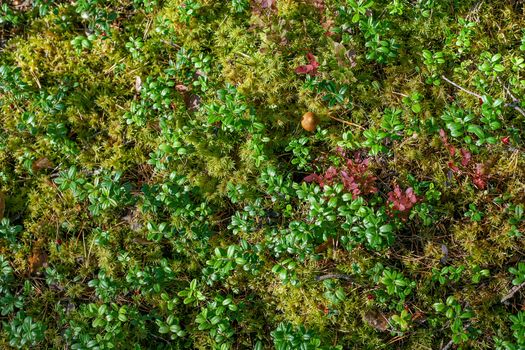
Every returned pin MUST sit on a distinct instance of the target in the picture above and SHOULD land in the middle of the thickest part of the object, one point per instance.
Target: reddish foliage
(479, 178)
(505, 140)
(402, 202)
(453, 167)
(476, 172)
(354, 176)
(310, 68)
(444, 139)
(466, 156)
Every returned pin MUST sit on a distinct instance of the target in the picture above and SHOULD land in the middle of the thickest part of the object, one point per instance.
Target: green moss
(212, 192)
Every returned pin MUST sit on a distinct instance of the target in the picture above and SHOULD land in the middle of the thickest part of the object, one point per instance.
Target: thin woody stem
(512, 291)
(460, 87)
(346, 122)
(513, 105)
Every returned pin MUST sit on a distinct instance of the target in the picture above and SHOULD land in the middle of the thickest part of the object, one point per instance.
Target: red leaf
(453, 167)
(466, 156)
(306, 69)
(312, 178)
(479, 178)
(505, 140)
(479, 183)
(330, 173)
(401, 201)
(310, 68)
(311, 59)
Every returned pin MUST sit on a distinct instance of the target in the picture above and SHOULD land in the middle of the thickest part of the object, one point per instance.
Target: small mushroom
(309, 121)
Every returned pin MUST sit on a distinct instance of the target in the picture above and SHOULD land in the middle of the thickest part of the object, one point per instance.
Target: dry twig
(346, 122)
(512, 291)
(513, 105)
(333, 275)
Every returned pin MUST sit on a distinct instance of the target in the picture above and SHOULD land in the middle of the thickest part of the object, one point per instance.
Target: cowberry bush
(158, 190)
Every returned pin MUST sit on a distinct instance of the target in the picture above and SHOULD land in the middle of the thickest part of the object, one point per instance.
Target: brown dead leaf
(377, 320)
(181, 87)
(344, 57)
(192, 102)
(37, 260)
(42, 163)
(323, 247)
(133, 219)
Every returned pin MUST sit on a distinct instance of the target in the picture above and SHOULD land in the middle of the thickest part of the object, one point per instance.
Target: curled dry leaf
(42, 163)
(344, 57)
(37, 260)
(192, 102)
(377, 320)
(444, 251)
(323, 247)
(350, 56)
(133, 220)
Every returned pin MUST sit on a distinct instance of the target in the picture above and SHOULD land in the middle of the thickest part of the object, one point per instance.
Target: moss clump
(159, 190)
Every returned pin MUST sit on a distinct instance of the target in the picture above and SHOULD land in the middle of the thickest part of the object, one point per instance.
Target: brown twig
(448, 346)
(512, 105)
(512, 291)
(459, 87)
(333, 275)
(399, 94)
(346, 122)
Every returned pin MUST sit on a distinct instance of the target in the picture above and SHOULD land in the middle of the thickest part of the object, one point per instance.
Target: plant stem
(346, 122)
(512, 291)
(459, 87)
(333, 275)
(513, 105)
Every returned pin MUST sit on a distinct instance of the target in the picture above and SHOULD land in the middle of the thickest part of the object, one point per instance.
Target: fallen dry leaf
(323, 247)
(377, 320)
(37, 260)
(42, 163)
(192, 102)
(181, 87)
